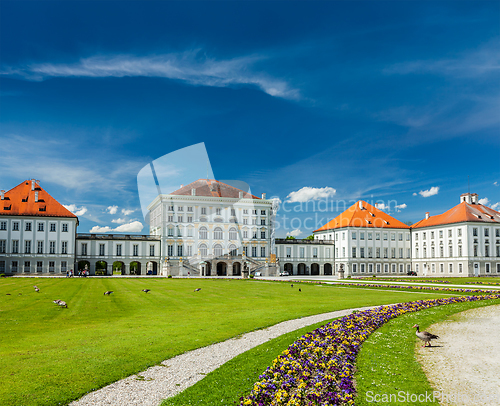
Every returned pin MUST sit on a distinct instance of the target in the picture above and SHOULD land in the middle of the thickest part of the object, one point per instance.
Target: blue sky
(382, 101)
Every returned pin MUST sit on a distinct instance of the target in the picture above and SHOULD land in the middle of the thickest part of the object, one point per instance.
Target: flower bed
(403, 280)
(318, 368)
(482, 283)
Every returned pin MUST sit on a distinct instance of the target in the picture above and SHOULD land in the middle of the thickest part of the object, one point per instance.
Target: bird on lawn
(35, 286)
(62, 303)
(425, 336)
(197, 289)
(291, 285)
(37, 290)
(300, 290)
(56, 301)
(108, 292)
(146, 290)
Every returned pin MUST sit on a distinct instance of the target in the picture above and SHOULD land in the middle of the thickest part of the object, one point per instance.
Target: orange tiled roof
(460, 213)
(368, 216)
(212, 188)
(20, 201)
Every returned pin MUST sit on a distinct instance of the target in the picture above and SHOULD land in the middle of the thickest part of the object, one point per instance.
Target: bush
(169, 276)
(252, 276)
(2, 275)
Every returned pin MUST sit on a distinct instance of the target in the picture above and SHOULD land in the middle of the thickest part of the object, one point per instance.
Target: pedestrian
(67, 274)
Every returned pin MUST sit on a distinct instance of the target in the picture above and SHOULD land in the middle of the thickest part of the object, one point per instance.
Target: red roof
(460, 213)
(20, 201)
(212, 188)
(364, 216)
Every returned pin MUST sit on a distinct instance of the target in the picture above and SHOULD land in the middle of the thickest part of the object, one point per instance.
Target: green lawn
(386, 363)
(50, 355)
(418, 280)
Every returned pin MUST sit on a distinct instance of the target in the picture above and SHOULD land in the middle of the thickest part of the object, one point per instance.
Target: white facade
(305, 257)
(37, 245)
(196, 229)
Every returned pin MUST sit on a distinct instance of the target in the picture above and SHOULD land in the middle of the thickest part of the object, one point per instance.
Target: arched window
(179, 232)
(218, 234)
(170, 232)
(203, 250)
(233, 235)
(203, 233)
(218, 250)
(233, 250)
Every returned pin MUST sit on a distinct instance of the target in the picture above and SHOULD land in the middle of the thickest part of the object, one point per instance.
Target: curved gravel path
(464, 364)
(150, 387)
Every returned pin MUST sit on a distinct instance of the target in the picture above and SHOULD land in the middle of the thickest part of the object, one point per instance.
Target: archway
(118, 268)
(236, 269)
(328, 269)
(82, 265)
(101, 268)
(208, 268)
(288, 268)
(135, 268)
(221, 269)
(152, 268)
(314, 269)
(301, 269)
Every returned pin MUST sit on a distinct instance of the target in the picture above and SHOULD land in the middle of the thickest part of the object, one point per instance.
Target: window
(84, 249)
(369, 236)
(498, 250)
(400, 236)
(3, 225)
(377, 236)
(263, 235)
(424, 236)
(27, 247)
(450, 250)
(408, 252)
(354, 252)
(486, 232)
(203, 233)
(401, 268)
(459, 250)
(460, 269)
(217, 211)
(377, 252)
(179, 219)
(378, 268)
(451, 268)
(170, 250)
(170, 231)
(203, 250)
(353, 235)
(315, 252)
(245, 211)
(386, 252)
(254, 222)
(203, 210)
(343, 236)
(474, 232)
(52, 247)
(190, 219)
(101, 249)
(328, 253)
(441, 251)
(262, 212)
(179, 251)
(151, 250)
(40, 226)
(486, 250)
(170, 219)
(3, 245)
(370, 252)
(385, 236)
(407, 236)
(416, 236)
(393, 236)
(190, 209)
(245, 234)
(343, 252)
(370, 268)
(118, 250)
(254, 251)
(170, 208)
(254, 212)
(135, 250)
(441, 268)
(361, 236)
(416, 252)
(2, 266)
(433, 252)
(65, 227)
(432, 235)
(302, 252)
(28, 226)
(459, 232)
(393, 252)
(15, 246)
(27, 266)
(51, 266)
(440, 233)
(179, 231)
(361, 252)
(262, 222)
(180, 208)
(52, 227)
(15, 226)
(39, 266)
(393, 268)
(401, 253)
(386, 268)
(362, 268)
(449, 233)
(354, 268)
(254, 234)
(497, 232)
(263, 252)
(233, 235)
(245, 221)
(288, 252)
(475, 250)
(218, 234)
(189, 250)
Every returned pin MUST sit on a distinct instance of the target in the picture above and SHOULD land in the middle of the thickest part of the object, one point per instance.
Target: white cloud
(431, 192)
(192, 67)
(119, 221)
(75, 210)
(294, 233)
(310, 193)
(415, 194)
(381, 206)
(127, 212)
(400, 207)
(495, 183)
(495, 206)
(133, 227)
(484, 201)
(112, 209)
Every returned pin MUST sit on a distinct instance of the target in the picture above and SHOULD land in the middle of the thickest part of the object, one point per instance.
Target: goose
(425, 336)
(108, 292)
(197, 289)
(146, 290)
(62, 303)
(56, 301)
(37, 290)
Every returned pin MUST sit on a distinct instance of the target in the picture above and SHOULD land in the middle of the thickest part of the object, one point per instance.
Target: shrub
(169, 276)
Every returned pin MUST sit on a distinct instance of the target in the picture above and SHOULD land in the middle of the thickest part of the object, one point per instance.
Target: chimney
(466, 197)
(2, 194)
(193, 192)
(263, 196)
(360, 203)
(474, 198)
(32, 184)
(182, 186)
(427, 215)
(37, 183)
(36, 196)
(241, 195)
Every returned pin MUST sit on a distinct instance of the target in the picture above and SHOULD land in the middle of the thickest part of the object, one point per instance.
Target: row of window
(15, 266)
(180, 219)
(102, 250)
(377, 252)
(377, 236)
(39, 247)
(378, 268)
(475, 233)
(218, 233)
(451, 251)
(28, 226)
(451, 268)
(217, 250)
(218, 211)
(302, 252)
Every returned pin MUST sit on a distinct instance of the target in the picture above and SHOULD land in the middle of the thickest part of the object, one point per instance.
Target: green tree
(311, 237)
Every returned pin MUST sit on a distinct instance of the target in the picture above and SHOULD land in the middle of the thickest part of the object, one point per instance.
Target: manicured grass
(437, 279)
(50, 355)
(386, 363)
(235, 378)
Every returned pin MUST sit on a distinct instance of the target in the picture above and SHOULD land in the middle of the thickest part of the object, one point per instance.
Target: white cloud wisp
(310, 193)
(133, 227)
(434, 190)
(75, 210)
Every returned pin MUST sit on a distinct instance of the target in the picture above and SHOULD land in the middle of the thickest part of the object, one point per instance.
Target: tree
(311, 237)
(290, 237)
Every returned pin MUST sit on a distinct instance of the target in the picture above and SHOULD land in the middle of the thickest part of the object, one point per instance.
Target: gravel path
(150, 387)
(465, 361)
